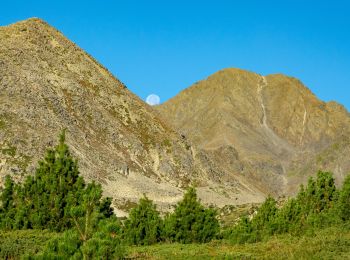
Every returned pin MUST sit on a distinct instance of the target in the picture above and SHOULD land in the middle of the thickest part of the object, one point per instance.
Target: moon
(153, 100)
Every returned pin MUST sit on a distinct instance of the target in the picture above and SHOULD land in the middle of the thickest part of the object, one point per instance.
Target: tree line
(318, 205)
(57, 198)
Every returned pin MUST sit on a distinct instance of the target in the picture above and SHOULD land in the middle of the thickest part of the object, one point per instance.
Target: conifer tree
(6, 196)
(49, 198)
(144, 225)
(84, 210)
(265, 217)
(191, 222)
(44, 195)
(343, 203)
(319, 194)
(326, 191)
(104, 243)
(317, 205)
(7, 207)
(242, 232)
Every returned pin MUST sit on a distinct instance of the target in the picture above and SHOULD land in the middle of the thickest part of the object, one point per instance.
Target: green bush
(263, 224)
(316, 206)
(191, 222)
(264, 220)
(14, 244)
(104, 243)
(343, 203)
(144, 225)
(242, 233)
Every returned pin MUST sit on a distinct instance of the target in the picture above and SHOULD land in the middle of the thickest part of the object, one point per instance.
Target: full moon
(153, 100)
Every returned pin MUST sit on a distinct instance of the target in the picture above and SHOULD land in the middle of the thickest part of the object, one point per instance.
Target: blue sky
(163, 47)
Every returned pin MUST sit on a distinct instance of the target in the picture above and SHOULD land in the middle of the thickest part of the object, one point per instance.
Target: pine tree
(242, 232)
(43, 196)
(7, 207)
(288, 218)
(264, 222)
(191, 222)
(84, 209)
(48, 198)
(6, 196)
(144, 225)
(343, 203)
(105, 243)
(326, 191)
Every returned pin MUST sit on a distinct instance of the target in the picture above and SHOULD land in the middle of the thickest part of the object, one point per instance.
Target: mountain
(238, 136)
(48, 83)
(270, 129)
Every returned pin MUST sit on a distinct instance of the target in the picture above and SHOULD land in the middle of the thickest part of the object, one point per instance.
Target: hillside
(270, 129)
(48, 83)
(236, 135)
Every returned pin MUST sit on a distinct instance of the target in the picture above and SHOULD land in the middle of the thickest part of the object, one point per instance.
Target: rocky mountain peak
(236, 135)
(48, 83)
(274, 123)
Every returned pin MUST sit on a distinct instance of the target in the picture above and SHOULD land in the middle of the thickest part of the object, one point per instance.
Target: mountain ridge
(48, 83)
(273, 120)
(237, 135)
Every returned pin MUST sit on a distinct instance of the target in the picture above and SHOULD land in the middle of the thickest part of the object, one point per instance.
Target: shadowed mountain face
(47, 83)
(271, 129)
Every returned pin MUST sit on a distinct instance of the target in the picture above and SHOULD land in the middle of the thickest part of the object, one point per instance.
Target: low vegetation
(54, 214)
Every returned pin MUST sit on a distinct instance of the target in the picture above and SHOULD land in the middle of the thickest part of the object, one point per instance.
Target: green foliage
(65, 247)
(84, 210)
(262, 224)
(343, 203)
(316, 206)
(313, 207)
(104, 243)
(191, 222)
(7, 210)
(14, 244)
(144, 225)
(6, 197)
(289, 218)
(57, 198)
(319, 194)
(329, 243)
(53, 197)
(243, 232)
(263, 220)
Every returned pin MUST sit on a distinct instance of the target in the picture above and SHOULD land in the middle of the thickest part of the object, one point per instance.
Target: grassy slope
(20, 242)
(331, 243)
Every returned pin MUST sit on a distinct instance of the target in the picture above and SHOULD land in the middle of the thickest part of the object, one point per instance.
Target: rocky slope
(47, 83)
(271, 129)
(237, 135)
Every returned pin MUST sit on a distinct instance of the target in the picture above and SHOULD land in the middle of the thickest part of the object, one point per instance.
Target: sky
(162, 47)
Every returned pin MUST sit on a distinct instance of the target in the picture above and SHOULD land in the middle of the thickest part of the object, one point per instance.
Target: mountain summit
(272, 126)
(48, 83)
